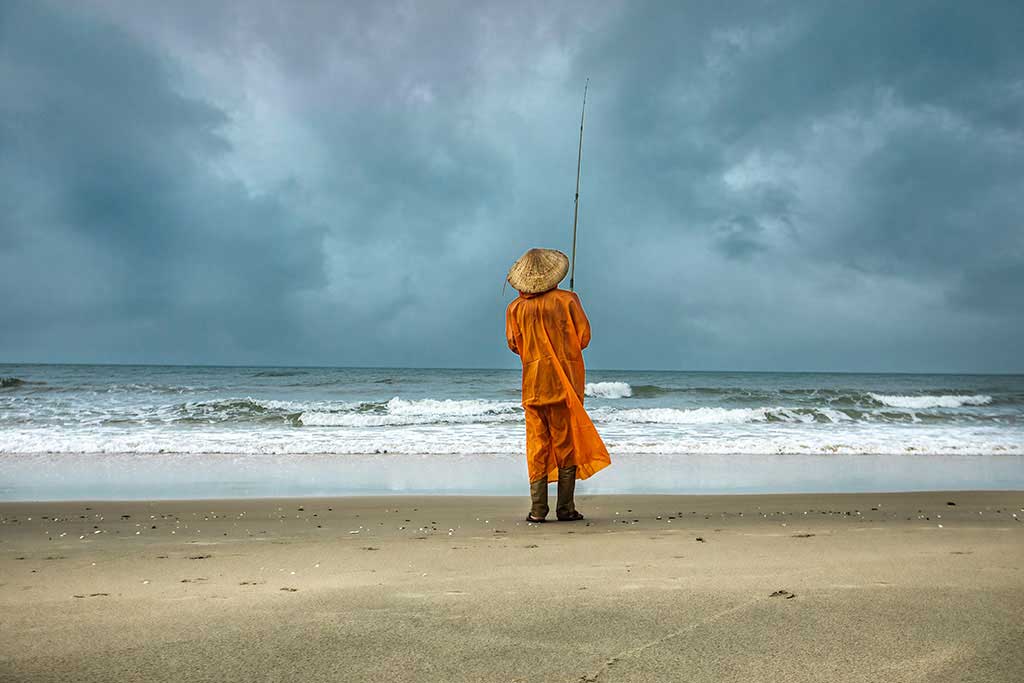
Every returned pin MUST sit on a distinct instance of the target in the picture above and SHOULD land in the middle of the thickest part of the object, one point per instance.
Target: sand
(863, 587)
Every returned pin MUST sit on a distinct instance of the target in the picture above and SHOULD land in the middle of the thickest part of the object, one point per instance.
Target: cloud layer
(766, 186)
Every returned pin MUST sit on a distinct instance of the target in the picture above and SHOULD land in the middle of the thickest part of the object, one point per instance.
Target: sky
(769, 186)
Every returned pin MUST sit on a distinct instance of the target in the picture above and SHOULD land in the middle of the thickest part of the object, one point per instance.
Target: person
(548, 329)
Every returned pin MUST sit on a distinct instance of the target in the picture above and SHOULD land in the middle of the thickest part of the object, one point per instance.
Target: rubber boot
(565, 508)
(539, 496)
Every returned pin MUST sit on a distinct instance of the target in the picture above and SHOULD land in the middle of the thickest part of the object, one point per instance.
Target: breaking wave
(475, 441)
(389, 411)
(832, 397)
(925, 402)
(608, 390)
(626, 390)
(699, 416)
(393, 413)
(400, 412)
(249, 412)
(17, 383)
(233, 410)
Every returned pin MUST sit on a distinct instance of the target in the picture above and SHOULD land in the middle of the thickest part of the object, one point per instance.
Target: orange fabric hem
(582, 471)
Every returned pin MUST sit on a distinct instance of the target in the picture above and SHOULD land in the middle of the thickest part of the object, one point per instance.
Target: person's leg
(538, 457)
(560, 429)
(565, 508)
(539, 499)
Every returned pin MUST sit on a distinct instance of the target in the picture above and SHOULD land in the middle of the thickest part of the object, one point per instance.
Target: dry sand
(866, 587)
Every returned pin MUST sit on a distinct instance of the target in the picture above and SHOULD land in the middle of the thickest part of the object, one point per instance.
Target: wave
(102, 389)
(510, 440)
(608, 390)
(696, 416)
(280, 373)
(400, 412)
(16, 382)
(653, 391)
(924, 402)
(257, 414)
(832, 398)
(780, 414)
(103, 405)
(236, 410)
(626, 390)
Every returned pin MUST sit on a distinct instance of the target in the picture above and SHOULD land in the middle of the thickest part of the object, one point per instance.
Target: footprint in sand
(289, 589)
(783, 594)
(91, 595)
(200, 557)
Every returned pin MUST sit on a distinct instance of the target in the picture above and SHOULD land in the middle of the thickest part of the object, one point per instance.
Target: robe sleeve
(579, 320)
(510, 329)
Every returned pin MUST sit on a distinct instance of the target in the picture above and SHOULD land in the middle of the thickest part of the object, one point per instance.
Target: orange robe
(549, 332)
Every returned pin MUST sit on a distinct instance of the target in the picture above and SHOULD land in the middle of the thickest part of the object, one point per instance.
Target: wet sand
(860, 587)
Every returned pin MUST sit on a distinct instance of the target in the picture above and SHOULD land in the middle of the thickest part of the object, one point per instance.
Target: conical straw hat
(538, 270)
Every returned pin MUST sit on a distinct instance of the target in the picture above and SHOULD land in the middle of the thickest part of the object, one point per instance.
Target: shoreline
(131, 476)
(806, 587)
(384, 496)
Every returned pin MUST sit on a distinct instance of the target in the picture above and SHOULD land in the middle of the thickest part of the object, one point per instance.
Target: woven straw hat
(538, 270)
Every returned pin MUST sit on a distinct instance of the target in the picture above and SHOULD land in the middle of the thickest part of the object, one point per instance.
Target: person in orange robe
(547, 327)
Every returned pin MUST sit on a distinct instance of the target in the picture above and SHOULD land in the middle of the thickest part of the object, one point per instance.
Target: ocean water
(175, 431)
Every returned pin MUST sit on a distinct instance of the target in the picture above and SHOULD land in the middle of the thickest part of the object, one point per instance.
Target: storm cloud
(766, 186)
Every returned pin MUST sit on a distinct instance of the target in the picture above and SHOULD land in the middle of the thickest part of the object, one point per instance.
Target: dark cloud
(765, 186)
(123, 242)
(738, 237)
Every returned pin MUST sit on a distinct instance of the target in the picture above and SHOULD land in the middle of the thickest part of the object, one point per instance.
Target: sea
(130, 432)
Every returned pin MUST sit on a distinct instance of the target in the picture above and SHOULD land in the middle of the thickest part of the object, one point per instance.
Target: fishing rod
(576, 206)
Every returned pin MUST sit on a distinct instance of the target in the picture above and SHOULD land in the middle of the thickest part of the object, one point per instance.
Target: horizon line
(482, 368)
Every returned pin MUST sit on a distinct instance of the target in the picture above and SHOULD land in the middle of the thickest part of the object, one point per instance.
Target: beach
(796, 587)
(305, 304)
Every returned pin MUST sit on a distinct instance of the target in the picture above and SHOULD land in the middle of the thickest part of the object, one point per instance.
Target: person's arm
(510, 329)
(579, 320)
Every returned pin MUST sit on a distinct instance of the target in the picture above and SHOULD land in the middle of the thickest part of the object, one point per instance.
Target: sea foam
(470, 414)
(477, 440)
(608, 390)
(723, 416)
(923, 402)
(400, 412)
